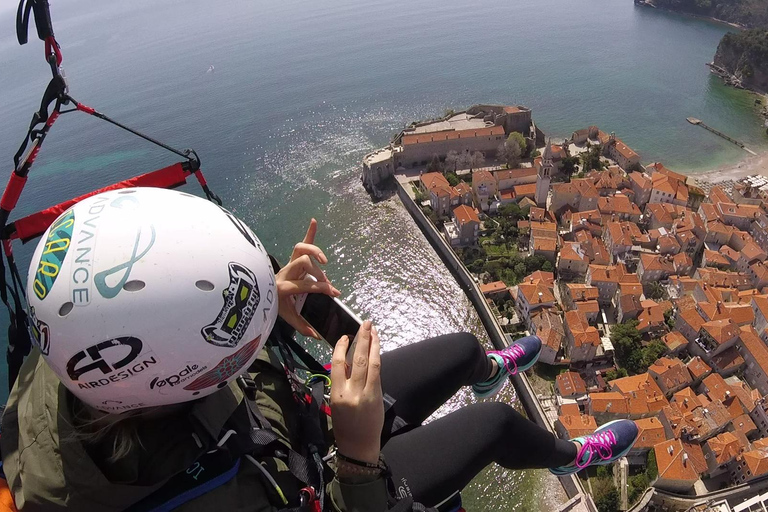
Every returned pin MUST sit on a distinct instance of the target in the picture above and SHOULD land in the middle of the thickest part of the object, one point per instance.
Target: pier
(699, 122)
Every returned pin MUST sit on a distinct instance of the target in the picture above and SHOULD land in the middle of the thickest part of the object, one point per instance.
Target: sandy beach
(757, 164)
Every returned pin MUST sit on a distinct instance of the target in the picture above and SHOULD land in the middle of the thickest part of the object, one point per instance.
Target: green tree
(512, 150)
(652, 352)
(656, 291)
(590, 159)
(615, 374)
(517, 138)
(669, 318)
(627, 344)
(568, 165)
(651, 469)
(547, 266)
(435, 165)
(452, 178)
(512, 211)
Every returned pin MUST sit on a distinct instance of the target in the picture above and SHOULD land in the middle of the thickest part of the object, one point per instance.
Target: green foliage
(652, 352)
(432, 216)
(517, 138)
(419, 196)
(749, 13)
(615, 374)
(513, 212)
(452, 178)
(630, 353)
(637, 484)
(590, 159)
(605, 494)
(669, 318)
(651, 468)
(535, 153)
(569, 165)
(656, 291)
(435, 165)
(605, 471)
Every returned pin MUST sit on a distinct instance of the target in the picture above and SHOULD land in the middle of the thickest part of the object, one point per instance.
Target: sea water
(282, 99)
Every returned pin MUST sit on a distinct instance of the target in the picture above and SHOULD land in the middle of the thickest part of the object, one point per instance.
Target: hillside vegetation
(747, 13)
(744, 55)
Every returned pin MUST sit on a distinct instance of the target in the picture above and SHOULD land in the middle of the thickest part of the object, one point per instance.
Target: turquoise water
(301, 90)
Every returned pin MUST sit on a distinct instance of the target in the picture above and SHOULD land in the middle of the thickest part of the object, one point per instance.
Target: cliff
(742, 58)
(746, 13)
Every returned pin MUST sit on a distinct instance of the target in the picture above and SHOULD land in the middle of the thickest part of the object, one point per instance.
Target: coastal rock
(742, 59)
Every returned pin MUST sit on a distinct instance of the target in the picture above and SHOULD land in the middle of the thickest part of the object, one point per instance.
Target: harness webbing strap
(34, 225)
(12, 191)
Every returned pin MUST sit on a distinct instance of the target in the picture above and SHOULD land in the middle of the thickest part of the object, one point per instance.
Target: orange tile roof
(506, 174)
(716, 386)
(671, 372)
(463, 188)
(464, 215)
(570, 383)
(569, 409)
(650, 433)
(674, 340)
(540, 276)
(549, 328)
(727, 446)
(643, 389)
(721, 331)
(573, 251)
(421, 138)
(655, 262)
(611, 402)
(578, 426)
(761, 303)
(672, 464)
(751, 251)
(744, 424)
(625, 150)
(432, 179)
(582, 292)
(617, 203)
(482, 176)
(698, 367)
(757, 462)
(692, 318)
(754, 345)
(493, 287)
(659, 167)
(538, 293)
(583, 333)
(686, 400)
(728, 360)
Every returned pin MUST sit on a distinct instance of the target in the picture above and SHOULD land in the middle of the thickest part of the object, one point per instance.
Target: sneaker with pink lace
(518, 357)
(609, 443)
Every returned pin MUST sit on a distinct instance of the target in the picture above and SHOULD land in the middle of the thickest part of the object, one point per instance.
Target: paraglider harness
(254, 437)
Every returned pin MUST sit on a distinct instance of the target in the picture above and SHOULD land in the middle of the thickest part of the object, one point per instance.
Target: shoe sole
(601, 462)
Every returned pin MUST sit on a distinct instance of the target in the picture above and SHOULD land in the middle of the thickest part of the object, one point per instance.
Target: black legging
(433, 461)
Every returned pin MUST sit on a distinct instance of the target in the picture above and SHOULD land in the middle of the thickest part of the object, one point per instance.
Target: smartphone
(328, 316)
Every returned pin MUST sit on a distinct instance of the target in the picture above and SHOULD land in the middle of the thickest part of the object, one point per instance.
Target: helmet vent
(134, 286)
(128, 191)
(204, 285)
(66, 309)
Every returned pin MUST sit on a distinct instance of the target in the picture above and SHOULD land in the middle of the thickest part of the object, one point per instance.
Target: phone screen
(329, 318)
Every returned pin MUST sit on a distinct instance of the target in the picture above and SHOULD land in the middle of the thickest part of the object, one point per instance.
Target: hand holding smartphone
(329, 317)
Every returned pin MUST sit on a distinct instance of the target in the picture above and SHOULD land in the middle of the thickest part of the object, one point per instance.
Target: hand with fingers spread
(357, 407)
(291, 281)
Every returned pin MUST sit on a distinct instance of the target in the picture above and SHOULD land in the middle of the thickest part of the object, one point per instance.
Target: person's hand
(357, 406)
(291, 281)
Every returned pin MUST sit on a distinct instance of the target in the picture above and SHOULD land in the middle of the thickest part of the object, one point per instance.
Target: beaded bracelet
(349, 467)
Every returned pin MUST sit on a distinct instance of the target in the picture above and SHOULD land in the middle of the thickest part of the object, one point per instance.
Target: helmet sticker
(55, 250)
(244, 230)
(226, 368)
(100, 279)
(109, 361)
(41, 334)
(240, 300)
(190, 370)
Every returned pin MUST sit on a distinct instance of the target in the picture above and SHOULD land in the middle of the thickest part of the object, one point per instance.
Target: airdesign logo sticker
(56, 247)
(109, 361)
(240, 300)
(226, 368)
(41, 334)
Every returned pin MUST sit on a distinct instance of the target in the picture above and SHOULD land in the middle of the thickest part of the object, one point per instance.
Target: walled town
(649, 290)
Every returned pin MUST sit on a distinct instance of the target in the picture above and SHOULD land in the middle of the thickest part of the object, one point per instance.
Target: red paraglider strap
(34, 225)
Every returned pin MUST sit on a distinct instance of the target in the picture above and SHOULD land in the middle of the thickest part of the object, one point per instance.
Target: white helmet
(144, 297)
